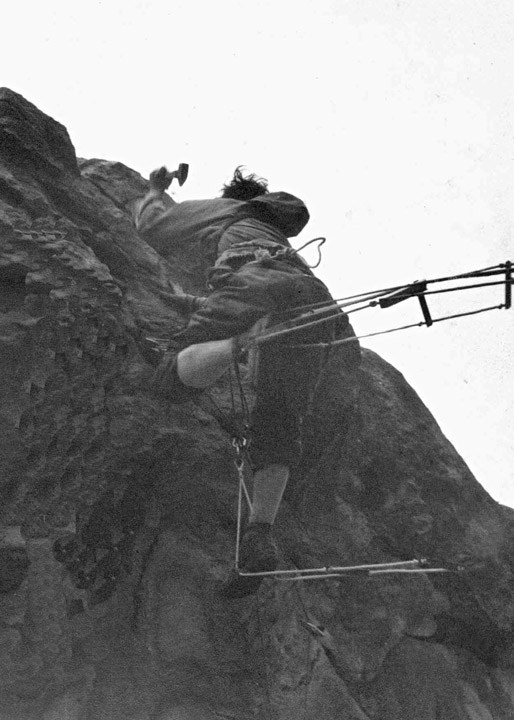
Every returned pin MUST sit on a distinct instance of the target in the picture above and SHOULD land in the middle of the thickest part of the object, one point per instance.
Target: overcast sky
(392, 119)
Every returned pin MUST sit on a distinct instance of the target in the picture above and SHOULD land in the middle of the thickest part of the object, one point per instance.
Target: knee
(167, 385)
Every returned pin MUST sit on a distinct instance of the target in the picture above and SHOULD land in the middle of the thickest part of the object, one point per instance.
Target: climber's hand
(161, 179)
(184, 303)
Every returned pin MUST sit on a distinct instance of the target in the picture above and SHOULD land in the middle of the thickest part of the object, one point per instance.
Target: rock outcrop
(119, 512)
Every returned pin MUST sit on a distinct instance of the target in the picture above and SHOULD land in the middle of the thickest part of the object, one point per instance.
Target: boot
(257, 553)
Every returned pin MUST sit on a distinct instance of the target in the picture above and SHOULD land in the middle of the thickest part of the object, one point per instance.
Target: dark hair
(244, 188)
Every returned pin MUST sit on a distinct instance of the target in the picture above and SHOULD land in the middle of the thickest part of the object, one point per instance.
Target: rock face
(119, 513)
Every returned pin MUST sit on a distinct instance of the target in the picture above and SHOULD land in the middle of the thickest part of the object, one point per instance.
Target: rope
(245, 410)
(239, 443)
(321, 240)
(499, 269)
(239, 463)
(332, 306)
(265, 337)
(324, 305)
(461, 287)
(491, 270)
(418, 289)
(238, 432)
(229, 424)
(396, 329)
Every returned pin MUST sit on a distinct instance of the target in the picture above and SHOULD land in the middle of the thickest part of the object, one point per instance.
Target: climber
(255, 275)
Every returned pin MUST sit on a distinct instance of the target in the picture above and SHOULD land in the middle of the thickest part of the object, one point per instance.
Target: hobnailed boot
(257, 553)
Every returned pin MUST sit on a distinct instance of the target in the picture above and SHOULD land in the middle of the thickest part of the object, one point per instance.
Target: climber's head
(244, 188)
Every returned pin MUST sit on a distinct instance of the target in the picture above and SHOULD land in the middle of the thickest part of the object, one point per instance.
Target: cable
(296, 324)
(492, 270)
(499, 269)
(391, 330)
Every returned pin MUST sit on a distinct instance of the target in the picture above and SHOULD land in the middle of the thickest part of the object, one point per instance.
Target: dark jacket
(217, 224)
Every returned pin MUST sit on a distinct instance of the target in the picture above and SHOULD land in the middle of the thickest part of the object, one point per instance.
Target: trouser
(286, 375)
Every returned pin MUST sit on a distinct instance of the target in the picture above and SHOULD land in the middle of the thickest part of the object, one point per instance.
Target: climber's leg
(200, 365)
(269, 484)
(257, 551)
(282, 396)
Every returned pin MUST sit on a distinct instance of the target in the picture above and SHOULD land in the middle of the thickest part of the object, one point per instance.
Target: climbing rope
(318, 313)
(239, 463)
(236, 422)
(236, 425)
(343, 341)
(320, 240)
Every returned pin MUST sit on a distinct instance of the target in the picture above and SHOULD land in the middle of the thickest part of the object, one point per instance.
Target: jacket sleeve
(284, 211)
(150, 209)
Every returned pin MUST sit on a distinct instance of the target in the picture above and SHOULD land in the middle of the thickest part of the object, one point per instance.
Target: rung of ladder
(406, 566)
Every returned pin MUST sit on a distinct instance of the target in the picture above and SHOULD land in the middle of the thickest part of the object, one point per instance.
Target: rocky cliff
(118, 512)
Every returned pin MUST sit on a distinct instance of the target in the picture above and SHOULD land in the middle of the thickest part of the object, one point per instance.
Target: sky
(392, 119)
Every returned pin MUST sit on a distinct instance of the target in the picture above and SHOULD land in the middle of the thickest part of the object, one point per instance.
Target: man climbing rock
(255, 274)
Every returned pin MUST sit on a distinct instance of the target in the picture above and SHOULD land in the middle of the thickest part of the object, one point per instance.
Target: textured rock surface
(118, 514)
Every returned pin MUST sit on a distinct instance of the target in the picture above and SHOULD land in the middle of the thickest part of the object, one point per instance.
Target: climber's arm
(149, 210)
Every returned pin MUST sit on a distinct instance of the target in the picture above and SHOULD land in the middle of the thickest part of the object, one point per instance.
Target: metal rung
(370, 573)
(405, 566)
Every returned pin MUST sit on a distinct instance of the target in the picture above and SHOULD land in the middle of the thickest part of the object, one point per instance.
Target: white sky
(392, 119)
